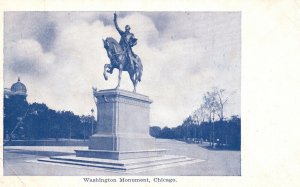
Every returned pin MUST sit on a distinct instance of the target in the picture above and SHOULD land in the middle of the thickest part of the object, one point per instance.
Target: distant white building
(17, 89)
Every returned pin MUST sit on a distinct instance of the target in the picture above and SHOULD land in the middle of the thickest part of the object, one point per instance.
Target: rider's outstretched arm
(116, 24)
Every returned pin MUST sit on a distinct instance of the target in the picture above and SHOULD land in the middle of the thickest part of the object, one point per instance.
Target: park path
(21, 160)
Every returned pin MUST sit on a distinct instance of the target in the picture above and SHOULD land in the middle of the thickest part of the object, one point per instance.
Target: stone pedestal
(122, 130)
(122, 141)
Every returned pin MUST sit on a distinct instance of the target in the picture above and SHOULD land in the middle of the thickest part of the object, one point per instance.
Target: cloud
(29, 25)
(183, 56)
(26, 56)
(142, 26)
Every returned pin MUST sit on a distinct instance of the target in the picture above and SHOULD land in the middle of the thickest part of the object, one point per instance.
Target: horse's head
(112, 47)
(107, 47)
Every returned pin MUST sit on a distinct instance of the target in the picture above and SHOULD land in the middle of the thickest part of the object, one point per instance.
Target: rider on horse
(127, 41)
(122, 57)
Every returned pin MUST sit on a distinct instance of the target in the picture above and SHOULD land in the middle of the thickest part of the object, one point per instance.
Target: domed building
(15, 105)
(18, 89)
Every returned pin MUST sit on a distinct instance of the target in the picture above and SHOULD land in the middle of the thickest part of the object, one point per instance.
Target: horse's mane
(112, 40)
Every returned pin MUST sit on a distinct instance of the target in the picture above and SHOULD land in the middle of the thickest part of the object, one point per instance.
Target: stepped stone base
(122, 141)
(131, 165)
(119, 155)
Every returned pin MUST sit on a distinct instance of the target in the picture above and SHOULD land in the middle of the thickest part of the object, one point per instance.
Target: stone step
(87, 160)
(157, 167)
(126, 162)
(163, 163)
(124, 165)
(104, 166)
(120, 155)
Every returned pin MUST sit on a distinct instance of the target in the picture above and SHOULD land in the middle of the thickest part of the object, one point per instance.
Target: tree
(211, 104)
(234, 132)
(167, 133)
(198, 115)
(198, 118)
(214, 103)
(209, 120)
(87, 122)
(15, 108)
(37, 121)
(155, 131)
(222, 100)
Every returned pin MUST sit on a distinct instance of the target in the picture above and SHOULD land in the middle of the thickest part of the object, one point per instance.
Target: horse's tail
(140, 73)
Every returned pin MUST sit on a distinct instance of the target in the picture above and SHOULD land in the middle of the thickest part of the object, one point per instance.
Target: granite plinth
(122, 141)
(122, 128)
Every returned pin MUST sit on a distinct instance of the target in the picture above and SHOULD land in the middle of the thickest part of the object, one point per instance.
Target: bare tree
(222, 100)
(211, 104)
(214, 103)
(212, 107)
(198, 115)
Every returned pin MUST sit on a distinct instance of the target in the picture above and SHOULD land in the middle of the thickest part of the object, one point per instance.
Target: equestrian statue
(122, 57)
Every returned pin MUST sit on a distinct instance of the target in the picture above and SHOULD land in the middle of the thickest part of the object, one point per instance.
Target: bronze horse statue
(118, 59)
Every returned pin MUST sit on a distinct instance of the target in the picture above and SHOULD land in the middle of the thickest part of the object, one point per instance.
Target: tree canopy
(207, 123)
(36, 121)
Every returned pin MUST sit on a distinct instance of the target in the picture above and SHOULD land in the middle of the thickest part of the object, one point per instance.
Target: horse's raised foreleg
(104, 72)
(120, 75)
(107, 68)
(110, 69)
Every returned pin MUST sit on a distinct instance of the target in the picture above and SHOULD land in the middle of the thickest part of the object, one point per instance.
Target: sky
(59, 56)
